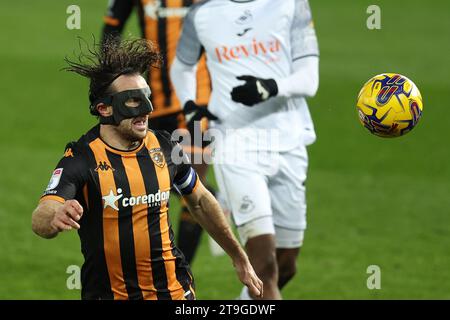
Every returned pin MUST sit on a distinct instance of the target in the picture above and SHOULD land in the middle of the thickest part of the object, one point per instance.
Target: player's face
(135, 128)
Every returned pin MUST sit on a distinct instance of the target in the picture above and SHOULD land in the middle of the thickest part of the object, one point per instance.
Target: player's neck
(114, 139)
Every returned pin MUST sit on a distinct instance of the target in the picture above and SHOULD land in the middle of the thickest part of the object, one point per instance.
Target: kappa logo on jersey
(253, 49)
(155, 10)
(245, 18)
(157, 157)
(54, 180)
(68, 153)
(152, 199)
(104, 166)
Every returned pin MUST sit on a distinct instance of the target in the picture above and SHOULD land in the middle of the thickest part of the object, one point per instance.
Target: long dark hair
(105, 62)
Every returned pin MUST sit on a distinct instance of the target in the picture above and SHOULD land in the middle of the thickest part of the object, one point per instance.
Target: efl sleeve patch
(68, 178)
(55, 178)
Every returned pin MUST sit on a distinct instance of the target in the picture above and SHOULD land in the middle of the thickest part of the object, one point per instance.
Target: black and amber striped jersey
(161, 22)
(126, 235)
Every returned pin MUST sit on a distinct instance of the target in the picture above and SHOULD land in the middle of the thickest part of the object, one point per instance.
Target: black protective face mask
(124, 105)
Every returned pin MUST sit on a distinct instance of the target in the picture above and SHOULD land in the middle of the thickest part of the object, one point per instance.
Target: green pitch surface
(371, 201)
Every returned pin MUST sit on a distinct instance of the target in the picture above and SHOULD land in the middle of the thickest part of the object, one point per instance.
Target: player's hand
(248, 277)
(67, 215)
(254, 90)
(193, 112)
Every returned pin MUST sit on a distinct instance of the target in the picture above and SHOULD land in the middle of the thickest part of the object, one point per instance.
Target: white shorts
(266, 194)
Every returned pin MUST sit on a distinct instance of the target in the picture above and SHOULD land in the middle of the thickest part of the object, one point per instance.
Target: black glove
(193, 112)
(255, 90)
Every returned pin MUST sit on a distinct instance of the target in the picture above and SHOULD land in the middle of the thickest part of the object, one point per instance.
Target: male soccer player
(113, 186)
(160, 22)
(263, 60)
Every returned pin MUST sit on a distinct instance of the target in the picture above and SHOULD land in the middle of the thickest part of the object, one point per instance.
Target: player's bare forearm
(208, 213)
(52, 217)
(206, 210)
(42, 218)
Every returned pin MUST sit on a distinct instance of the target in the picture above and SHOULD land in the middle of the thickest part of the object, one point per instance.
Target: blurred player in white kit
(263, 58)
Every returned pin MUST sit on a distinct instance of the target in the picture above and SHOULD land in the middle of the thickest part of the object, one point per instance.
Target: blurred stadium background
(371, 201)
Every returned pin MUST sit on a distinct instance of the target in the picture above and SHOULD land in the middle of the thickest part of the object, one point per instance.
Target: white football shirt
(261, 38)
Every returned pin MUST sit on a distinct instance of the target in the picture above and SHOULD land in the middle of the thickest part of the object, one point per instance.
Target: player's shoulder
(72, 162)
(73, 158)
(168, 145)
(83, 142)
(75, 151)
(160, 134)
(164, 138)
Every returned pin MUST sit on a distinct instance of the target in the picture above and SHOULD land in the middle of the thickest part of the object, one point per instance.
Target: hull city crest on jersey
(157, 157)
